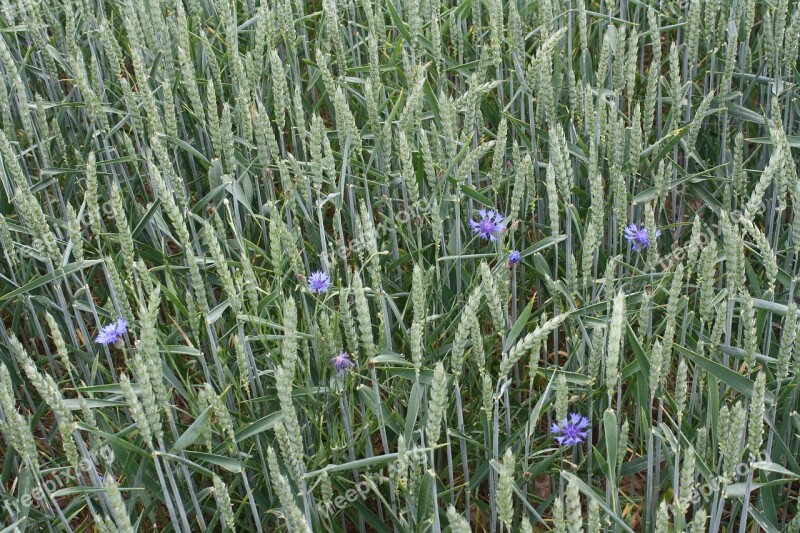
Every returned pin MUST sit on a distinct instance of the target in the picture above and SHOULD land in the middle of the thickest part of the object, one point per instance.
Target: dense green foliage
(615, 351)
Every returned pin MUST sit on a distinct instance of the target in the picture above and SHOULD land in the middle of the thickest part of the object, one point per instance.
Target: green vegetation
(399, 265)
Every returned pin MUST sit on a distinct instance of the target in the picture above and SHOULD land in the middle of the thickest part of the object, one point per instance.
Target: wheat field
(399, 266)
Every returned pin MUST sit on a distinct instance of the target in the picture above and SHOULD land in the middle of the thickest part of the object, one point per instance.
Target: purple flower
(342, 362)
(638, 237)
(490, 225)
(112, 333)
(319, 282)
(572, 431)
(514, 257)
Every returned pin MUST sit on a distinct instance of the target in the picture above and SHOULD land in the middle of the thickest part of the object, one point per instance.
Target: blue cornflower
(490, 225)
(572, 431)
(514, 257)
(112, 333)
(638, 237)
(319, 282)
(342, 362)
